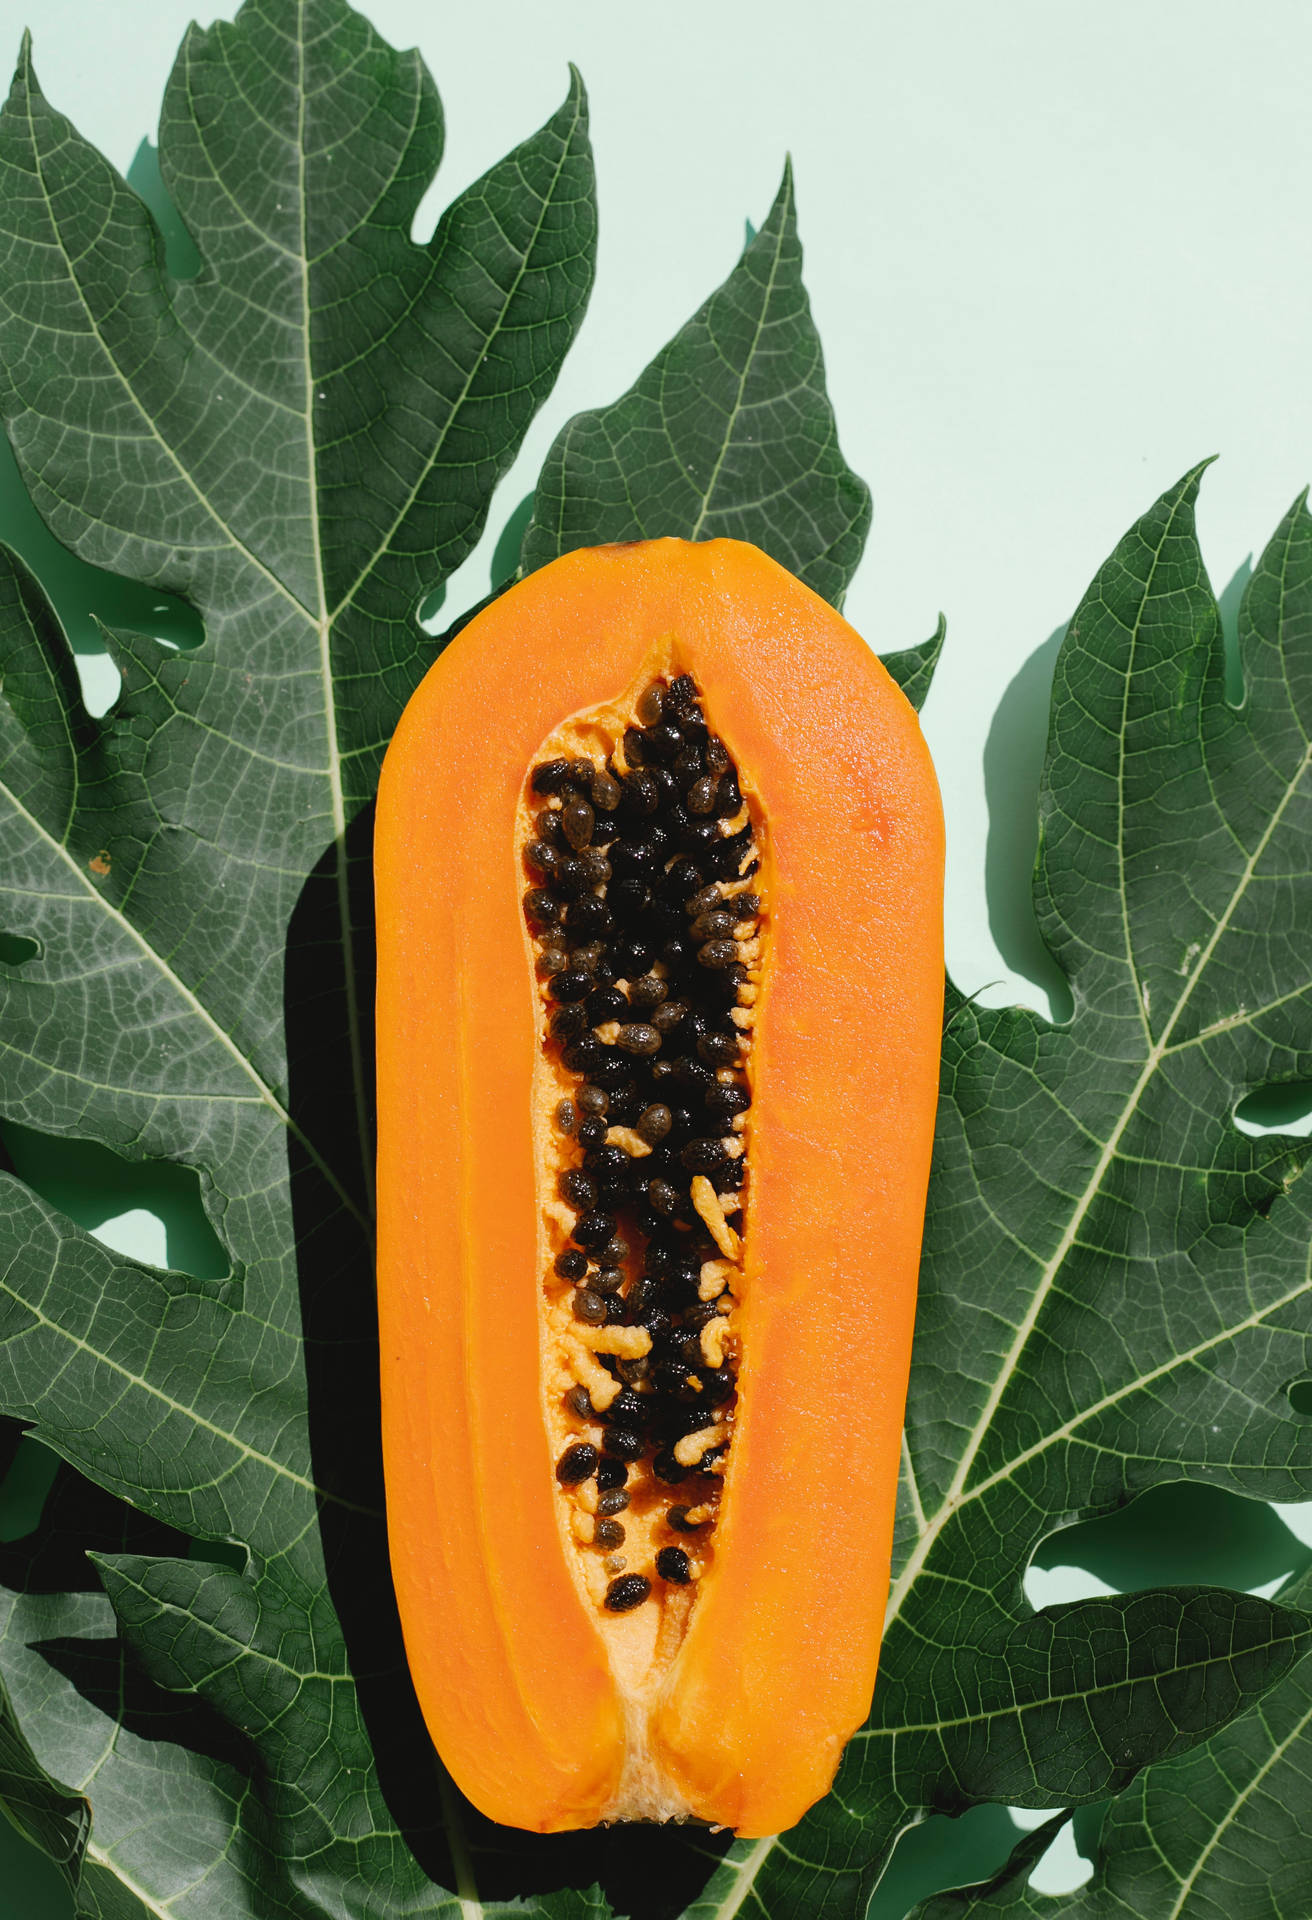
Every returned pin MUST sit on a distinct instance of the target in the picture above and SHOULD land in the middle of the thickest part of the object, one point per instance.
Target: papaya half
(659, 874)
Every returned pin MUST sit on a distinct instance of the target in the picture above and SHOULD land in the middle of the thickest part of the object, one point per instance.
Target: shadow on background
(1228, 603)
(147, 182)
(943, 1853)
(91, 1184)
(1013, 763)
(505, 554)
(34, 1888)
(1283, 1107)
(1178, 1535)
(83, 594)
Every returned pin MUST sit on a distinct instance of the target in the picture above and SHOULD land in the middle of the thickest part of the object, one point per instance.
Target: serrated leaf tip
(783, 208)
(576, 98)
(23, 68)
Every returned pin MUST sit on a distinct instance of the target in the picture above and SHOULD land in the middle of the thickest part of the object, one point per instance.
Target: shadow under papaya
(340, 1329)
(648, 1873)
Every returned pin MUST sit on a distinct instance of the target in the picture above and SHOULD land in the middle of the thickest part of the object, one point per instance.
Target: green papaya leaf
(729, 432)
(302, 440)
(151, 1761)
(1115, 1287)
(54, 1820)
(1070, 1702)
(914, 667)
(1222, 1830)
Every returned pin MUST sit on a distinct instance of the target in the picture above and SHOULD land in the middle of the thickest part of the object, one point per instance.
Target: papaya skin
(549, 1714)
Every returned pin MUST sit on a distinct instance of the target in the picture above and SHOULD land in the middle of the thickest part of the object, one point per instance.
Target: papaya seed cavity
(646, 928)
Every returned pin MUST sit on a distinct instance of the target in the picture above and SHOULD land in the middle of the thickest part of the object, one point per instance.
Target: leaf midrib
(103, 1859)
(1233, 1810)
(180, 1407)
(1069, 1428)
(748, 1870)
(1015, 1708)
(766, 297)
(363, 1218)
(322, 625)
(912, 1486)
(1131, 966)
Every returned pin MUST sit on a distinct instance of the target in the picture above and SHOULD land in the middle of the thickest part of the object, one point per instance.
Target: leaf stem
(462, 1865)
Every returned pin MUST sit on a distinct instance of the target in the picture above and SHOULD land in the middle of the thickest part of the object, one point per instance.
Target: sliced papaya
(659, 875)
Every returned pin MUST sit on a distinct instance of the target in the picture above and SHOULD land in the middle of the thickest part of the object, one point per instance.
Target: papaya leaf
(914, 667)
(302, 441)
(153, 1762)
(54, 1820)
(1222, 1830)
(1115, 1288)
(729, 432)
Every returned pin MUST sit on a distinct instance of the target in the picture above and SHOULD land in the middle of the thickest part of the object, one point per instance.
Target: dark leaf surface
(729, 432)
(53, 1820)
(1224, 1833)
(300, 441)
(154, 1766)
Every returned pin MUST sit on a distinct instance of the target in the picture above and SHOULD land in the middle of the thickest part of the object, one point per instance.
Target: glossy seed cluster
(647, 928)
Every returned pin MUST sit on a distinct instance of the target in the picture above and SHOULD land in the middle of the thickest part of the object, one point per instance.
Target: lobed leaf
(163, 1779)
(55, 1821)
(302, 440)
(1221, 1832)
(729, 432)
(1115, 1288)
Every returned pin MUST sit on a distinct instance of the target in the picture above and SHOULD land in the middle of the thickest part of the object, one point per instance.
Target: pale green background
(1057, 253)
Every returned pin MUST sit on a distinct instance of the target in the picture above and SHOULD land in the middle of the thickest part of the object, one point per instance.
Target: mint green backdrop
(1056, 252)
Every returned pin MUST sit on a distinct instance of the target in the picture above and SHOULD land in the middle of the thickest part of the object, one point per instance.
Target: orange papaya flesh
(717, 1310)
